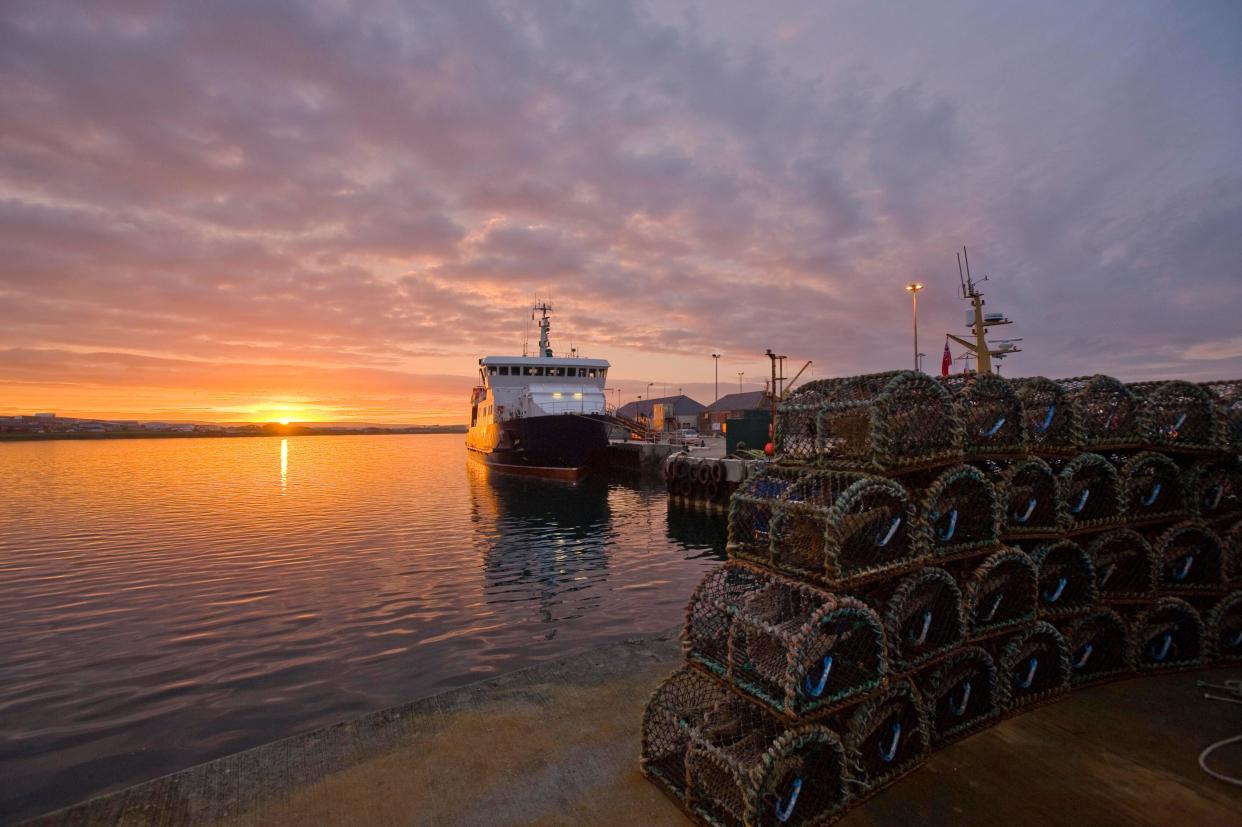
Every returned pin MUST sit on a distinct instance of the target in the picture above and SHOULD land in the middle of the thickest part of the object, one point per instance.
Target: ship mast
(979, 348)
(545, 324)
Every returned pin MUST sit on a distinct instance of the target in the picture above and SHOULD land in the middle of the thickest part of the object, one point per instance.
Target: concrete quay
(558, 743)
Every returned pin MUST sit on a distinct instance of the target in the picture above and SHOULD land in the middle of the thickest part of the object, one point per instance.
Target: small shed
(665, 413)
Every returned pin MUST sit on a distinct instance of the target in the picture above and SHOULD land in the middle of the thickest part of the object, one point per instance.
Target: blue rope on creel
(1184, 571)
(1082, 501)
(1042, 427)
(947, 534)
(1057, 592)
(1166, 644)
(891, 752)
(1032, 666)
(1108, 572)
(1213, 499)
(1030, 509)
(959, 709)
(922, 635)
(996, 426)
(1151, 496)
(892, 529)
(1085, 656)
(816, 689)
(995, 605)
(784, 811)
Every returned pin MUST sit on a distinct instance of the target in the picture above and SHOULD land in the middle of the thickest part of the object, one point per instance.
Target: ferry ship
(542, 415)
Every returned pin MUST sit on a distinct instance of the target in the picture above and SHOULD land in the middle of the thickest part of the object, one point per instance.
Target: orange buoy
(769, 449)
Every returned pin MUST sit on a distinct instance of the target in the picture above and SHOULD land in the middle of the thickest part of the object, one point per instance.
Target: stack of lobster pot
(924, 557)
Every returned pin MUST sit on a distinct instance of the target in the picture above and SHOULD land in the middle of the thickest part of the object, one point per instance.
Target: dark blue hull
(562, 442)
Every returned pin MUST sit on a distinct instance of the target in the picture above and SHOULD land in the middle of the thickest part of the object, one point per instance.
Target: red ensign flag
(946, 361)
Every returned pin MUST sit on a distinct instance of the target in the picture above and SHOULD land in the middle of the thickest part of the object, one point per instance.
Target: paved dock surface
(558, 744)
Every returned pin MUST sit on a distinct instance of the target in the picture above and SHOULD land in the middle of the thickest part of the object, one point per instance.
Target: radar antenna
(979, 322)
(545, 324)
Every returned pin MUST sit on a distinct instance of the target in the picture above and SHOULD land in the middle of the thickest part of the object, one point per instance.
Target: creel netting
(1028, 495)
(1090, 490)
(1052, 426)
(1106, 410)
(1177, 416)
(1124, 563)
(1098, 645)
(1001, 592)
(1168, 635)
(990, 412)
(959, 692)
(1190, 557)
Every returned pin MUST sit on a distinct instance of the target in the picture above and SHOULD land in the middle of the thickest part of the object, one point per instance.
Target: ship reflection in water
(547, 546)
(546, 543)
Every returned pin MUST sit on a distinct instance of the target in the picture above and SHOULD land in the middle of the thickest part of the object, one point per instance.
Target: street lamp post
(913, 289)
(716, 357)
(740, 374)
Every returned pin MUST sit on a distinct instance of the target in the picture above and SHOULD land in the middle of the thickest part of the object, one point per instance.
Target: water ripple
(164, 602)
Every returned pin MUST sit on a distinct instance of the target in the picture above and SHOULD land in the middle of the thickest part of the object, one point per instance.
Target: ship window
(560, 371)
(591, 373)
(504, 370)
(491, 369)
(534, 371)
(581, 371)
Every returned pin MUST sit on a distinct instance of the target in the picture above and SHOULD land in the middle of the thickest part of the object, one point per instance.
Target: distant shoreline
(281, 431)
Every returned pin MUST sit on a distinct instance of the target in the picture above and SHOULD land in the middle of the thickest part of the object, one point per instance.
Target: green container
(750, 429)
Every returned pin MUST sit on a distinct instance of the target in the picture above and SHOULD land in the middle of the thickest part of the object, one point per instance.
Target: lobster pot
(1190, 557)
(990, 413)
(1000, 592)
(684, 698)
(743, 767)
(1066, 579)
(1168, 635)
(1177, 416)
(959, 512)
(1125, 565)
(1151, 488)
(1225, 628)
(887, 422)
(1051, 424)
(1214, 489)
(887, 736)
(837, 527)
(796, 422)
(1106, 410)
(798, 650)
(1228, 397)
(751, 508)
(923, 618)
(1033, 666)
(1090, 490)
(709, 614)
(1099, 647)
(959, 693)
(1030, 502)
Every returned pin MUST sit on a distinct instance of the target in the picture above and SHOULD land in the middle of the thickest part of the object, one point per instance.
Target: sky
(328, 210)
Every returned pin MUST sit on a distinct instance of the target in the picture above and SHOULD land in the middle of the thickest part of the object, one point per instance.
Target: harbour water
(164, 602)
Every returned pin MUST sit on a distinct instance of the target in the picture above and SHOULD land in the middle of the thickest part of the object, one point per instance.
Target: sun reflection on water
(284, 465)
